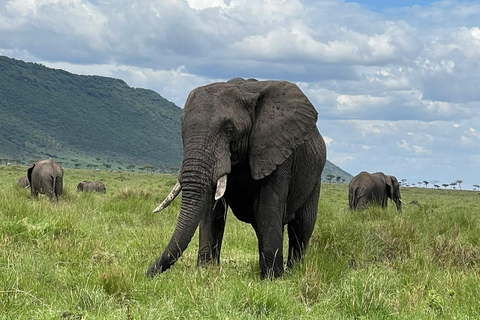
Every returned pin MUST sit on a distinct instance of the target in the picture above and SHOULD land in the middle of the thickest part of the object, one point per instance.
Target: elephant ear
(284, 120)
(389, 183)
(29, 173)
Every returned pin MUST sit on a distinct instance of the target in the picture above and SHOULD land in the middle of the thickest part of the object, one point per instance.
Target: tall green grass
(85, 257)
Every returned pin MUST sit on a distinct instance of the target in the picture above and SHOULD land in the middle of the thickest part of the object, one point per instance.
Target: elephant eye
(229, 130)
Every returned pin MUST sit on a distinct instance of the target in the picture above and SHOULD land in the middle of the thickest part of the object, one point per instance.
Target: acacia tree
(425, 183)
(459, 182)
(330, 177)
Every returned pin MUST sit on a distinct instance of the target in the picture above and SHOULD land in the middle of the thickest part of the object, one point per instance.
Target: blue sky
(395, 84)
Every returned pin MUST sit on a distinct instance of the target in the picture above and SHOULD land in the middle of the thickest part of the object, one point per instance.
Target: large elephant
(46, 177)
(262, 135)
(373, 189)
(86, 185)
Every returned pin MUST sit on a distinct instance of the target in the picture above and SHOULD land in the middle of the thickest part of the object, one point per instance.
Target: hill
(88, 121)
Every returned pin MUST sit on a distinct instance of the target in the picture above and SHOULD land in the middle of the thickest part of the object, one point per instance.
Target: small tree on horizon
(330, 177)
(459, 182)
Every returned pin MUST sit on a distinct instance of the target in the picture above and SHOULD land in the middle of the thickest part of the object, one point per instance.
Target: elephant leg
(269, 214)
(211, 232)
(58, 188)
(362, 203)
(301, 228)
(270, 248)
(33, 192)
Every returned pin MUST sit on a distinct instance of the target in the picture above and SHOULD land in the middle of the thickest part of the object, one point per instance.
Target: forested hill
(90, 121)
(84, 119)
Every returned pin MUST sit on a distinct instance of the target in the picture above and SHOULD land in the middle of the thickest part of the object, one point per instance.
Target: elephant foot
(272, 269)
(271, 273)
(208, 259)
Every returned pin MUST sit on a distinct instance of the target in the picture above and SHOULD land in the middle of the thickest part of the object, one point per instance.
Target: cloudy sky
(396, 83)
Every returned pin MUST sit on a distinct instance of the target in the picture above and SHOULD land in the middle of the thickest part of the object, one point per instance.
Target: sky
(396, 83)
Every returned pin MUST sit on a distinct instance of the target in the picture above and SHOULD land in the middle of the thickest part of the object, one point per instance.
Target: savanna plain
(85, 257)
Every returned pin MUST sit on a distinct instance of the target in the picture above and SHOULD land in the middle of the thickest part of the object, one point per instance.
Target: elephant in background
(23, 182)
(262, 137)
(96, 186)
(373, 189)
(46, 177)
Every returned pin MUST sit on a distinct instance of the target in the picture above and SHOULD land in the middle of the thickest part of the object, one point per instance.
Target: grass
(85, 258)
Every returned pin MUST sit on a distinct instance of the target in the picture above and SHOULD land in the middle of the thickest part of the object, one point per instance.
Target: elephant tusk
(402, 201)
(173, 194)
(221, 187)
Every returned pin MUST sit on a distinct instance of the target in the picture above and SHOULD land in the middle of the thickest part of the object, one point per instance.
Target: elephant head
(23, 182)
(393, 191)
(249, 124)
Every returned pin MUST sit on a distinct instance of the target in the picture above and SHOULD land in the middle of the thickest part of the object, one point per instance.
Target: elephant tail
(54, 182)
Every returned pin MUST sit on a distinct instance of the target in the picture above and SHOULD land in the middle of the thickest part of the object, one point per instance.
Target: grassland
(85, 258)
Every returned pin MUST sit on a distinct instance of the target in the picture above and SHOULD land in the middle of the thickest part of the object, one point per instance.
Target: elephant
(262, 137)
(86, 185)
(46, 177)
(373, 189)
(23, 182)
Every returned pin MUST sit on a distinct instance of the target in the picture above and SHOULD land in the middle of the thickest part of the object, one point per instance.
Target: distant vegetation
(85, 257)
(89, 122)
(84, 120)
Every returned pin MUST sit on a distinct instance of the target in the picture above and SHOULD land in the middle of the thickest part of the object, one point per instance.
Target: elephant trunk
(197, 199)
(398, 202)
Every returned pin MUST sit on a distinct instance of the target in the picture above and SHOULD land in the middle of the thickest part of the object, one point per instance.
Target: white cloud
(396, 90)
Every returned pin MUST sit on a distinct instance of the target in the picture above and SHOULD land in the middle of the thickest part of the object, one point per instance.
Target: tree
(453, 184)
(459, 182)
(425, 183)
(330, 177)
(476, 187)
(445, 185)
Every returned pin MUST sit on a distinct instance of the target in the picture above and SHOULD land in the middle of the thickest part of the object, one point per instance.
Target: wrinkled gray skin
(86, 185)
(373, 189)
(23, 182)
(263, 136)
(46, 177)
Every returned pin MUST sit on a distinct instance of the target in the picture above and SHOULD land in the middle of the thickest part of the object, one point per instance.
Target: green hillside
(89, 121)
(52, 113)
